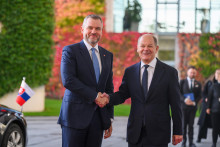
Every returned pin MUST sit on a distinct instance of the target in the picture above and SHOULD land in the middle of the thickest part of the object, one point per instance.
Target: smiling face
(147, 48)
(191, 73)
(92, 31)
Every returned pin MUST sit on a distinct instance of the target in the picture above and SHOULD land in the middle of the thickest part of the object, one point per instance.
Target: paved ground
(44, 132)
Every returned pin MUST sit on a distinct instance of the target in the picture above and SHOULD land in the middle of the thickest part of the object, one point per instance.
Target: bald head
(148, 35)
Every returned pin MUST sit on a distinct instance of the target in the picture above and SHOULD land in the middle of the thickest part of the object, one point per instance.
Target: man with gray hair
(154, 88)
(86, 69)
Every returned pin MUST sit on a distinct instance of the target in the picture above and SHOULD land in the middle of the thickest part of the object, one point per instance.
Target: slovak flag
(24, 93)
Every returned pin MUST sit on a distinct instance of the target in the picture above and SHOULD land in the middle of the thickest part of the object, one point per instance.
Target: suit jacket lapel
(188, 88)
(103, 62)
(137, 81)
(158, 74)
(87, 58)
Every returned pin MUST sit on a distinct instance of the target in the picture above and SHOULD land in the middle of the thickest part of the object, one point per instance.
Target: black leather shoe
(198, 140)
(192, 145)
(213, 145)
(183, 145)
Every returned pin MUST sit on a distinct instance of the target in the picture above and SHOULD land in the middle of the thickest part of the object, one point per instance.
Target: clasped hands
(102, 99)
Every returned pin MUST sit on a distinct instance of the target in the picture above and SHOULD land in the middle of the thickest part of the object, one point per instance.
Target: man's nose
(146, 48)
(94, 30)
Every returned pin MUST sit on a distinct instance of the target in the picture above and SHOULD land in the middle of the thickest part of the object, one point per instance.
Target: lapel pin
(104, 55)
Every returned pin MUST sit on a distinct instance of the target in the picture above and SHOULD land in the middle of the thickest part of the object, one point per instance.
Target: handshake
(102, 99)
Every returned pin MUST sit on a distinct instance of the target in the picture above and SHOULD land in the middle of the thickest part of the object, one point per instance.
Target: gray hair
(93, 16)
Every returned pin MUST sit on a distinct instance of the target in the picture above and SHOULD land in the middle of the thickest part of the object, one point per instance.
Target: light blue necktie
(145, 81)
(95, 65)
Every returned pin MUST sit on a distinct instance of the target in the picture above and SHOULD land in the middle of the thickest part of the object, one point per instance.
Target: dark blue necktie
(95, 65)
(145, 81)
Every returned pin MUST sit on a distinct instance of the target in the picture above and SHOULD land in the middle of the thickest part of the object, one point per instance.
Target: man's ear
(157, 48)
(82, 29)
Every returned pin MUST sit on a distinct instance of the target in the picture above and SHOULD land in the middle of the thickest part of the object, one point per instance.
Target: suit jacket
(78, 77)
(197, 91)
(204, 118)
(154, 111)
(214, 98)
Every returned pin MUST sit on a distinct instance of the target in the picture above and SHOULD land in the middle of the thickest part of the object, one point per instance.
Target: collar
(151, 64)
(89, 47)
(190, 79)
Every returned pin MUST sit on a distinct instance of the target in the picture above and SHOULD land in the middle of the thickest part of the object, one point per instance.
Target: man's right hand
(189, 102)
(177, 139)
(102, 100)
(208, 111)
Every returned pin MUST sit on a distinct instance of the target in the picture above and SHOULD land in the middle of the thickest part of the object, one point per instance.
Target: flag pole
(22, 105)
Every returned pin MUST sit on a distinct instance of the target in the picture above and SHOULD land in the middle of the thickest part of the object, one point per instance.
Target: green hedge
(209, 59)
(25, 42)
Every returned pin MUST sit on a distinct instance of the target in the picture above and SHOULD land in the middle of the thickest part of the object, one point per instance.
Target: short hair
(191, 67)
(154, 37)
(93, 16)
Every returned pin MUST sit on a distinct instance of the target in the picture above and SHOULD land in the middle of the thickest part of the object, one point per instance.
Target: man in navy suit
(153, 87)
(86, 69)
(189, 85)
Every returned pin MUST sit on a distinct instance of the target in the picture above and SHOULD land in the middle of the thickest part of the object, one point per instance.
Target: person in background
(86, 69)
(205, 119)
(214, 108)
(154, 88)
(191, 94)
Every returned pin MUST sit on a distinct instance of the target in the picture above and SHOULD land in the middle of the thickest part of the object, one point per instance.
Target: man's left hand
(108, 132)
(177, 139)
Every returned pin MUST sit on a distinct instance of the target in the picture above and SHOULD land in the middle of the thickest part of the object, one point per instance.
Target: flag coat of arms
(24, 93)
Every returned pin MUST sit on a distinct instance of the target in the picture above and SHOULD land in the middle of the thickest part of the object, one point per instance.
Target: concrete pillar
(109, 16)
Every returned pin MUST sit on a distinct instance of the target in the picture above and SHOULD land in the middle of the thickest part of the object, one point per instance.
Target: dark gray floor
(45, 132)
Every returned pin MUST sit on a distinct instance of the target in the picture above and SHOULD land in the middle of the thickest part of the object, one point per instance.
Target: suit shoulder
(106, 51)
(198, 83)
(133, 67)
(168, 67)
(182, 81)
(72, 46)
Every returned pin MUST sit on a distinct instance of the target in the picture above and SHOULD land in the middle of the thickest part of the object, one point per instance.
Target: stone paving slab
(45, 132)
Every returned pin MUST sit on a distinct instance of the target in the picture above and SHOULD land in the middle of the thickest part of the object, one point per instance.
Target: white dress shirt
(189, 82)
(150, 70)
(89, 47)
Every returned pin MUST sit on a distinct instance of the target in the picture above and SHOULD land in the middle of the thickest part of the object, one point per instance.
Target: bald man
(154, 88)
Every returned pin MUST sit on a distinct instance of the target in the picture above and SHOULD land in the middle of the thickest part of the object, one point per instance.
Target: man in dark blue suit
(153, 87)
(86, 69)
(189, 105)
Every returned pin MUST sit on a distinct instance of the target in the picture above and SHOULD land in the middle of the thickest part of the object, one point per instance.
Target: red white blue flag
(24, 93)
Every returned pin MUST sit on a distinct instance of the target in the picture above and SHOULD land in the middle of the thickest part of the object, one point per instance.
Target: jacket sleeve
(182, 99)
(120, 96)
(210, 97)
(174, 100)
(110, 89)
(69, 77)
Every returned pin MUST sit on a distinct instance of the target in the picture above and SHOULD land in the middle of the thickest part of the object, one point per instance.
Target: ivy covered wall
(201, 51)
(25, 42)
